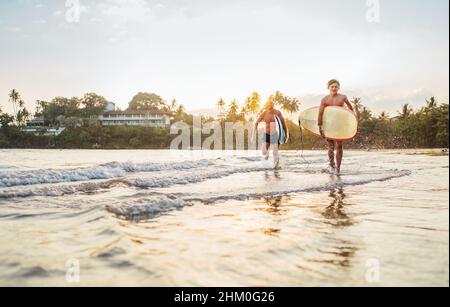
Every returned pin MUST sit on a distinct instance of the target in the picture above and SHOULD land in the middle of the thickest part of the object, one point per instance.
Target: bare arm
(260, 119)
(321, 111)
(320, 119)
(349, 105)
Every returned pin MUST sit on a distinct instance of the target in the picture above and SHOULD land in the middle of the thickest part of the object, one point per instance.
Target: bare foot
(277, 165)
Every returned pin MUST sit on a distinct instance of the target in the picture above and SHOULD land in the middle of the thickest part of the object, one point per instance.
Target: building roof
(138, 112)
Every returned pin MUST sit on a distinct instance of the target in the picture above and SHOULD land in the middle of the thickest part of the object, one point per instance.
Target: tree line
(426, 127)
(84, 111)
(253, 106)
(80, 117)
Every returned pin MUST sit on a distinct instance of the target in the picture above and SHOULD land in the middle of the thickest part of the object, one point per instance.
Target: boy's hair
(333, 81)
(270, 102)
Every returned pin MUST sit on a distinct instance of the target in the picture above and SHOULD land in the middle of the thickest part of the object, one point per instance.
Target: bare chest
(269, 117)
(338, 101)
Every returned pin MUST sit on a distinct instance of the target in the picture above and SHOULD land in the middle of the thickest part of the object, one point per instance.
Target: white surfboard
(339, 124)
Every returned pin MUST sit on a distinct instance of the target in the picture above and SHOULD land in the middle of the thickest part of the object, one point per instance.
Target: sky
(389, 52)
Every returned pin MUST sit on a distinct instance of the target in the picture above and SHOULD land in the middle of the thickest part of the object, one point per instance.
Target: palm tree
(179, 113)
(221, 107)
(384, 116)
(14, 98)
(406, 111)
(366, 114)
(357, 105)
(432, 103)
(234, 107)
(233, 114)
(252, 104)
(181, 109)
(278, 98)
(173, 106)
(284, 103)
(290, 105)
(22, 113)
(294, 105)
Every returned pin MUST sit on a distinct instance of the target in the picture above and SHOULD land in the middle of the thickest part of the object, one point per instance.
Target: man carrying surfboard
(272, 118)
(334, 99)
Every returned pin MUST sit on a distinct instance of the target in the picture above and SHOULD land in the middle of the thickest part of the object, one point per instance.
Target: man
(271, 135)
(333, 99)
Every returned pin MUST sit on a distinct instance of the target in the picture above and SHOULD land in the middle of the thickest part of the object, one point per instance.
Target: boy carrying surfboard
(334, 99)
(272, 118)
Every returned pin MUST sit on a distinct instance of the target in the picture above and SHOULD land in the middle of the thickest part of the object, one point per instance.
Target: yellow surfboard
(339, 124)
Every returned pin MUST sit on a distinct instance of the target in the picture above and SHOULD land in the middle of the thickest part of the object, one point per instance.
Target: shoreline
(444, 150)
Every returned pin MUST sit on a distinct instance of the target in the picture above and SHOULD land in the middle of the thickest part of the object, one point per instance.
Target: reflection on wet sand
(274, 207)
(276, 174)
(335, 213)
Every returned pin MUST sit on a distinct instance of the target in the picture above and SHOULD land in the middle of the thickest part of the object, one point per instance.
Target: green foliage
(93, 105)
(424, 128)
(287, 104)
(234, 114)
(147, 102)
(60, 108)
(113, 137)
(252, 105)
(427, 127)
(5, 120)
(21, 113)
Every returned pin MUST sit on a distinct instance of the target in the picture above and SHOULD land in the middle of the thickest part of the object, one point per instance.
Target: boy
(333, 99)
(271, 136)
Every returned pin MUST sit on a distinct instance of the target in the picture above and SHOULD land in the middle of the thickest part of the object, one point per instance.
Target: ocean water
(183, 218)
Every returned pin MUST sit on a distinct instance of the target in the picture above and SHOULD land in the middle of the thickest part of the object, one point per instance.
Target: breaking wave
(105, 171)
(165, 179)
(141, 207)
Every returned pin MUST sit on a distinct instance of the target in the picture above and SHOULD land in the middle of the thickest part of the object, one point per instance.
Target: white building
(44, 131)
(156, 119)
(36, 125)
(36, 122)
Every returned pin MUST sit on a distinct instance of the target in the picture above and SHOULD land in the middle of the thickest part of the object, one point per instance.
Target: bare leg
(331, 147)
(276, 157)
(265, 150)
(339, 155)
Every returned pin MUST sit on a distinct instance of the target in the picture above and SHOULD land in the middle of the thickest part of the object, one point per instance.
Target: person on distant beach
(271, 135)
(333, 99)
